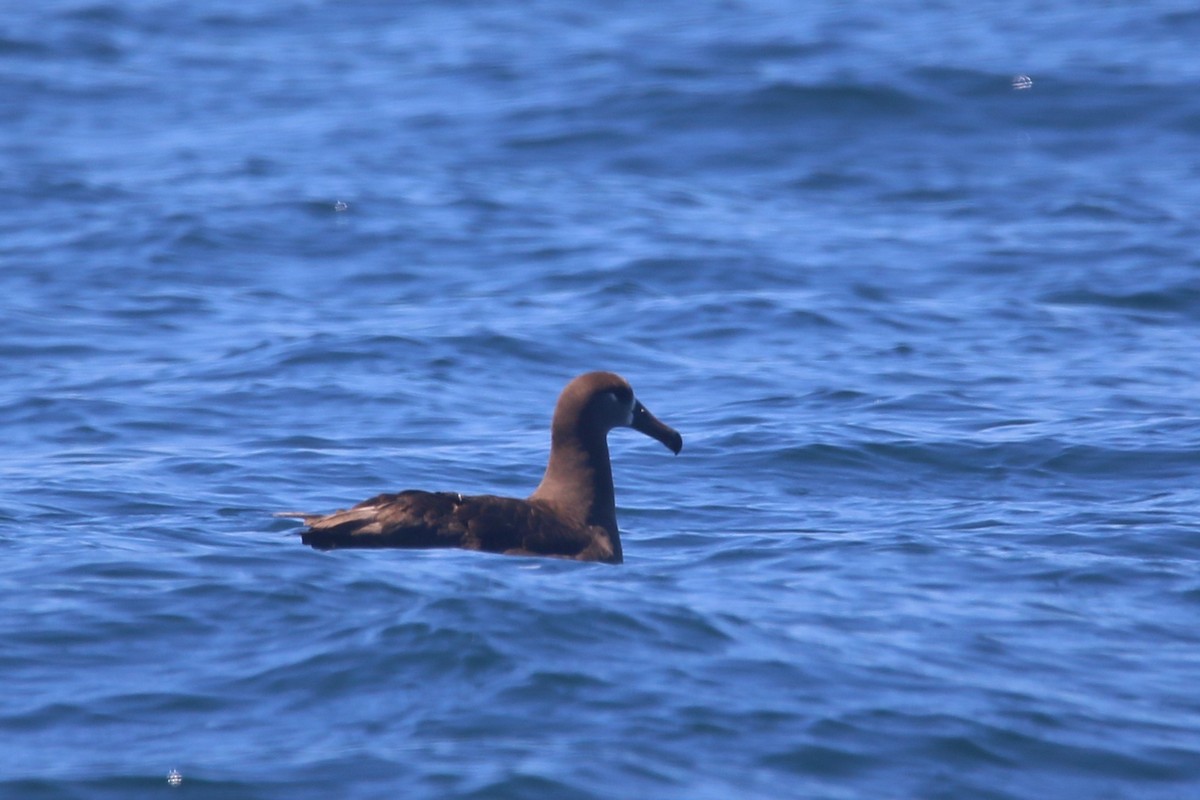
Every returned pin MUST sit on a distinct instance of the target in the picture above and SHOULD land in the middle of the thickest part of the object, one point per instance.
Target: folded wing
(417, 519)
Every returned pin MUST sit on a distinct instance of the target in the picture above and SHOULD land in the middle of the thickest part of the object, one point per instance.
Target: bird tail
(343, 528)
(308, 518)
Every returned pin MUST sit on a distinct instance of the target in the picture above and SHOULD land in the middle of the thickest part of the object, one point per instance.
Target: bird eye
(619, 396)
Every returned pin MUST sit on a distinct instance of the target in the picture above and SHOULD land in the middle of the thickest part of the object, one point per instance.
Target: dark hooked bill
(648, 424)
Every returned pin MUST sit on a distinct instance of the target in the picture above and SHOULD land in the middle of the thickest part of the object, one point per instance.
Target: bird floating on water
(571, 514)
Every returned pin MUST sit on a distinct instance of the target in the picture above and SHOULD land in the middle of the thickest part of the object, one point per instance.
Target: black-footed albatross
(571, 514)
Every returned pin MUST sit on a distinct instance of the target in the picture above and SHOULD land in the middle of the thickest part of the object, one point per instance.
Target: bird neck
(578, 482)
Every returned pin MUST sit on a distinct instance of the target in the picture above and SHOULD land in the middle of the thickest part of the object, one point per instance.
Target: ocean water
(918, 282)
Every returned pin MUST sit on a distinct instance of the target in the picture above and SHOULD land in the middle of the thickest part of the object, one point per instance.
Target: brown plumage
(572, 513)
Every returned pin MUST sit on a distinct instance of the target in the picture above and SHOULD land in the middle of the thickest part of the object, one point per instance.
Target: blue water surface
(929, 331)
